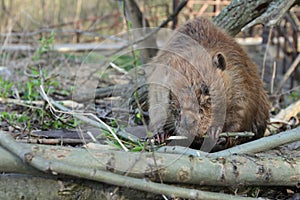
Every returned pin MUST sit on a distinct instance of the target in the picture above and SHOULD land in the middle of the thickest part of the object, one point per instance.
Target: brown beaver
(203, 82)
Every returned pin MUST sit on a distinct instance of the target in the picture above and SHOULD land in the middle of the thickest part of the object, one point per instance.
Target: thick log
(234, 170)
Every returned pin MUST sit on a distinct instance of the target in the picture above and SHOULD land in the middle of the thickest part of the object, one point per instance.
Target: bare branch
(240, 13)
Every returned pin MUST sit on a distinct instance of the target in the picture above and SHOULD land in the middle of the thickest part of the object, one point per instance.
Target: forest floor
(76, 77)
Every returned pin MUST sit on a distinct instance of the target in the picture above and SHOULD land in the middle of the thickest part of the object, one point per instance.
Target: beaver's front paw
(159, 137)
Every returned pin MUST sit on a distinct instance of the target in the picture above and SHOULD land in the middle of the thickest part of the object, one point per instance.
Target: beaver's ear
(219, 61)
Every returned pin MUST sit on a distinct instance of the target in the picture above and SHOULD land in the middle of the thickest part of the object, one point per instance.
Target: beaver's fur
(202, 82)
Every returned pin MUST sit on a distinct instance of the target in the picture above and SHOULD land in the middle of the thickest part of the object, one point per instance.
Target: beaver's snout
(188, 121)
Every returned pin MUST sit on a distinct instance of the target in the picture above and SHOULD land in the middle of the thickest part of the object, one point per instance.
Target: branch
(98, 165)
(263, 144)
(287, 75)
(32, 104)
(240, 13)
(274, 13)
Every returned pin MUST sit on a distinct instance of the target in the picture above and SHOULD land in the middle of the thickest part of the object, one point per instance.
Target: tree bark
(240, 13)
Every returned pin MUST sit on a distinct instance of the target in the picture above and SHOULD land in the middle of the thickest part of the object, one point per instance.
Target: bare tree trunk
(57, 11)
(135, 16)
(2, 14)
(43, 11)
(76, 38)
(175, 20)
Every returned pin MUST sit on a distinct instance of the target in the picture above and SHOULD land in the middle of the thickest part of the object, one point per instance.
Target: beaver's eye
(204, 89)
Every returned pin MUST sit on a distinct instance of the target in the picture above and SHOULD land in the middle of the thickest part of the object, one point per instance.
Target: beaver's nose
(188, 122)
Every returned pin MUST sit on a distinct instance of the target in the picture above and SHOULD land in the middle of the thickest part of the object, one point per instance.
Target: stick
(288, 74)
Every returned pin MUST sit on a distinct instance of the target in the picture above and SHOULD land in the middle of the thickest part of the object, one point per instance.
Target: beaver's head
(200, 106)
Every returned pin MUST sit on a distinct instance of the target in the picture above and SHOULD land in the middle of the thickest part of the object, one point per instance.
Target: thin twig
(288, 74)
(266, 52)
(263, 144)
(287, 92)
(273, 77)
(225, 134)
(29, 104)
(54, 141)
(119, 69)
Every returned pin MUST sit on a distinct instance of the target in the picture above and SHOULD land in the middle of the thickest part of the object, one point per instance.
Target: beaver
(202, 82)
